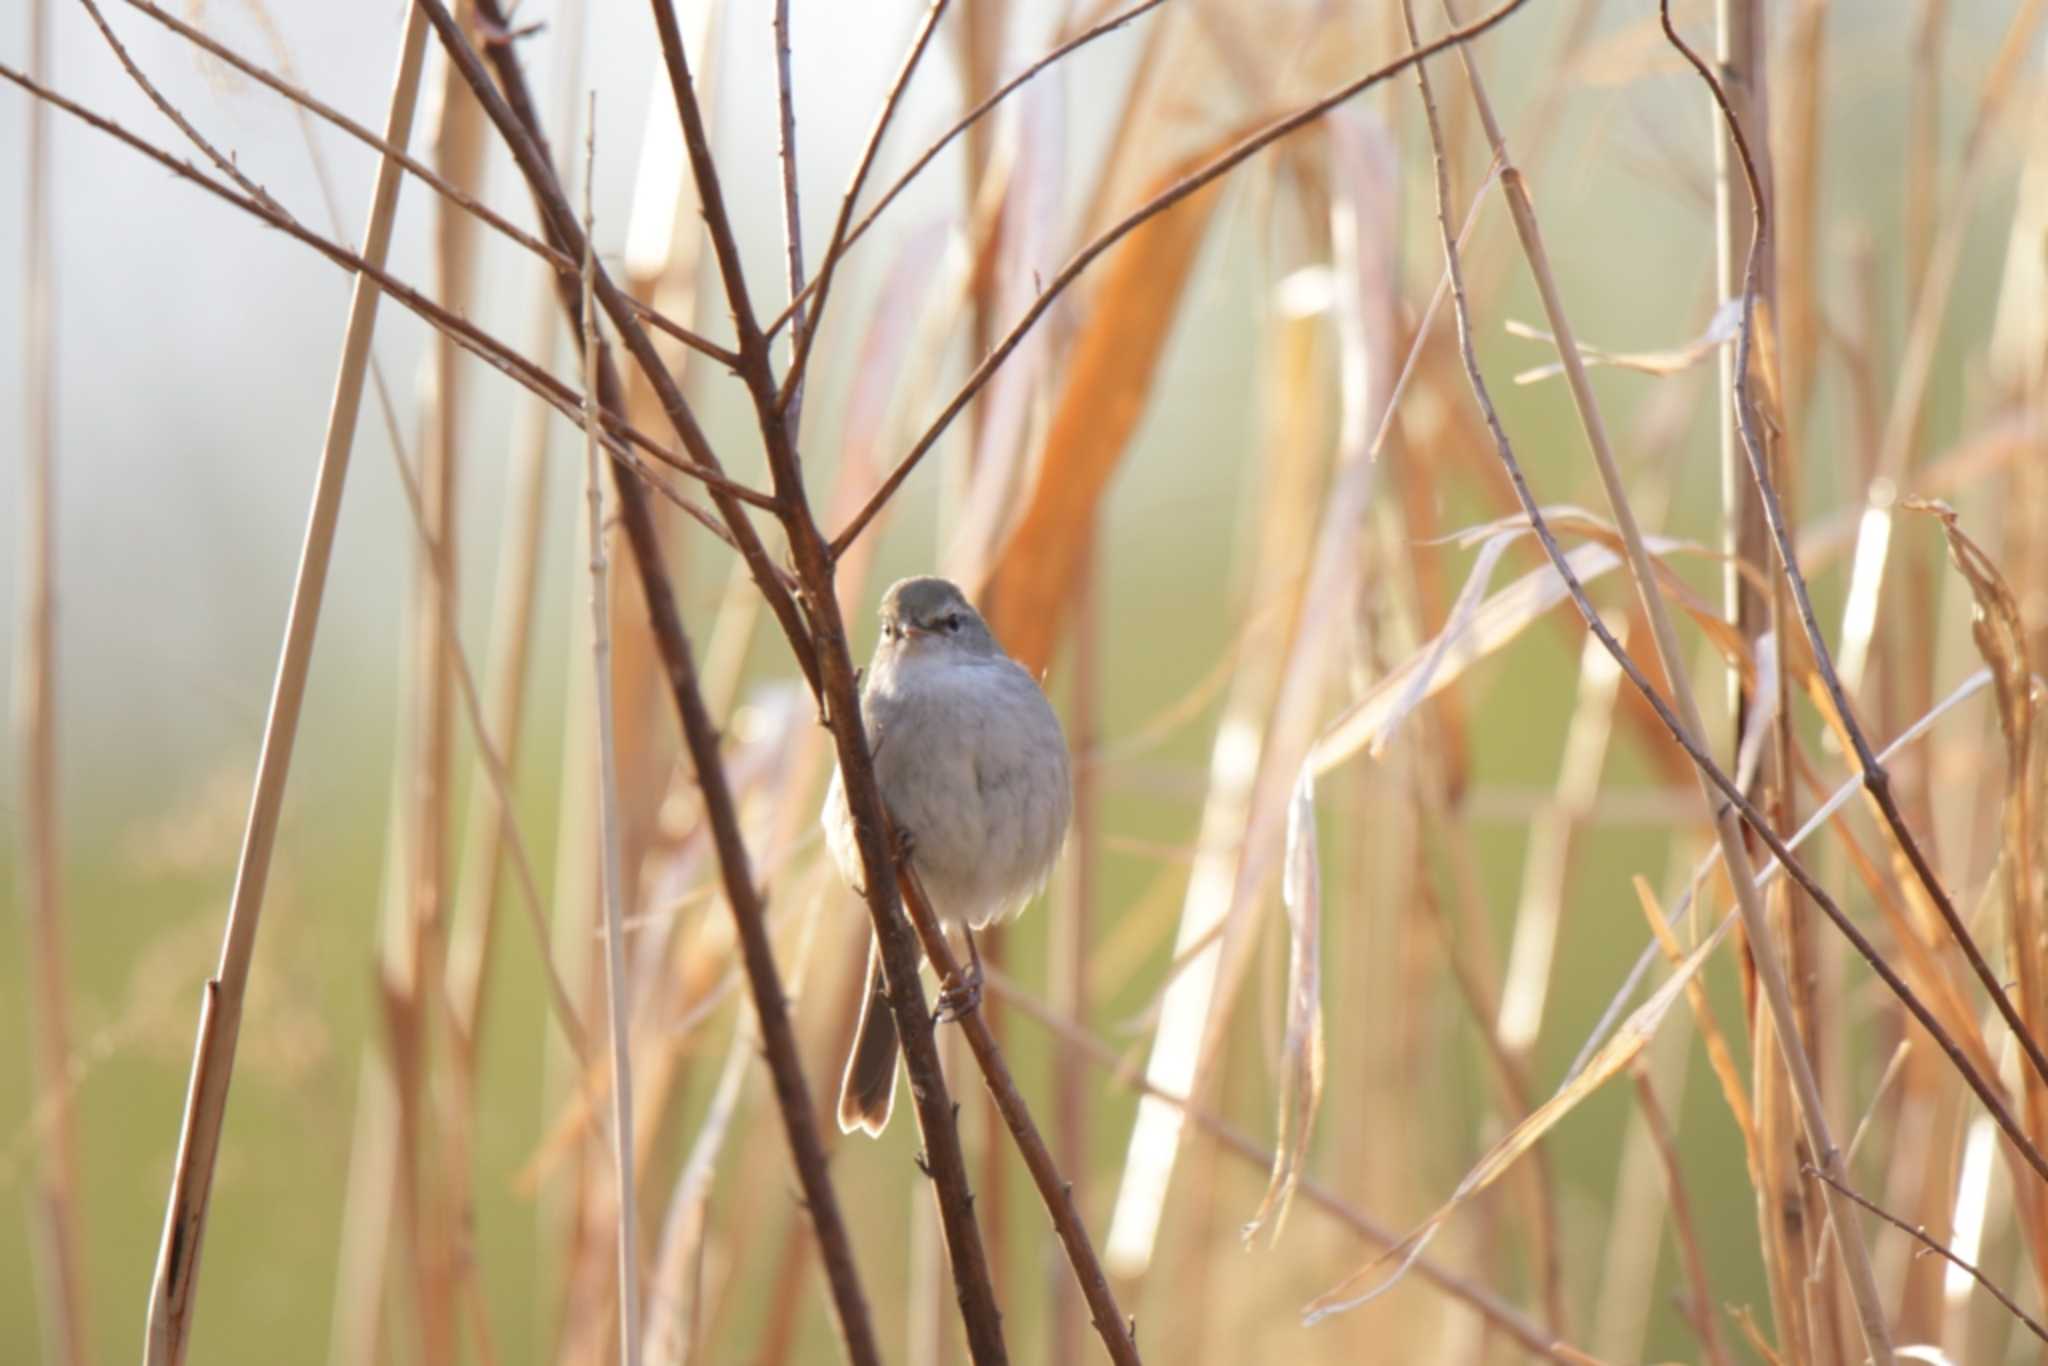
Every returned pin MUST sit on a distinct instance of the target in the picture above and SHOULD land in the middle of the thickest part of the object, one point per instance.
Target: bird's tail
(868, 1090)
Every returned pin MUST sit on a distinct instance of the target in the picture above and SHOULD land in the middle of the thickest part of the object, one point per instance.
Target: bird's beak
(913, 632)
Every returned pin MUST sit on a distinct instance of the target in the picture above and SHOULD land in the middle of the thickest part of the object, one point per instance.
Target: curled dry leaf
(1727, 320)
(1477, 627)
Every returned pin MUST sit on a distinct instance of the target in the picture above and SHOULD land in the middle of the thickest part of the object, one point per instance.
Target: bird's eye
(888, 630)
(951, 622)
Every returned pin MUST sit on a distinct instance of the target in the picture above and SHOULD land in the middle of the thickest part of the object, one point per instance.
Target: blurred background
(194, 358)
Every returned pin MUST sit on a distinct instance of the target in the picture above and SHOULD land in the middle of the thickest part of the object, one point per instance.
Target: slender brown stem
(1210, 171)
(945, 140)
(792, 210)
(1057, 1193)
(1875, 778)
(173, 1289)
(806, 331)
(1919, 1234)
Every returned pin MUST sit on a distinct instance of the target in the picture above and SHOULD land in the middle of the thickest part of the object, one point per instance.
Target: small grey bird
(973, 769)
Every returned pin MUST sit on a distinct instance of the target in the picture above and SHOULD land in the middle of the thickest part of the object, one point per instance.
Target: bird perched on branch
(973, 770)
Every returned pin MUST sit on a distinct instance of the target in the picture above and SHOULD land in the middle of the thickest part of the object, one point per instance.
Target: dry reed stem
(173, 1287)
(58, 1253)
(1687, 724)
(611, 859)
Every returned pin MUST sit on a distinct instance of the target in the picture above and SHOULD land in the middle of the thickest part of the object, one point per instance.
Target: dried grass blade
(1370, 721)
(1614, 1057)
(1301, 1062)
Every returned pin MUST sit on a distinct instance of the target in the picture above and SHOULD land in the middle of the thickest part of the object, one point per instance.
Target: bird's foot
(959, 996)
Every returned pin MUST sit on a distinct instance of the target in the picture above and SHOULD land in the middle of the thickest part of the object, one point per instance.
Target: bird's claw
(959, 997)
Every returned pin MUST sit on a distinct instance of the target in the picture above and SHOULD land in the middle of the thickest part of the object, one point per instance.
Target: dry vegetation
(1300, 1073)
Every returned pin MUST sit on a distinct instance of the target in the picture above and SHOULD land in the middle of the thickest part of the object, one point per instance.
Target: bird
(974, 773)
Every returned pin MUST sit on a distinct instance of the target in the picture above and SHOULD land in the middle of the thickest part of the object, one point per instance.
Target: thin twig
(518, 124)
(1686, 725)
(1058, 1194)
(173, 1288)
(608, 804)
(806, 331)
(479, 343)
(945, 139)
(1875, 778)
(792, 215)
(561, 262)
(1919, 1233)
(1222, 165)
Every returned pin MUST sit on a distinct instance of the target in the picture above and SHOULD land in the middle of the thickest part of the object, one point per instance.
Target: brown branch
(1919, 1234)
(1056, 1191)
(834, 682)
(559, 261)
(1876, 780)
(1243, 151)
(806, 331)
(966, 121)
(518, 123)
(521, 131)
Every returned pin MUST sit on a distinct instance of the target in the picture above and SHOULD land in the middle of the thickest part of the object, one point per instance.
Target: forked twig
(1244, 150)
